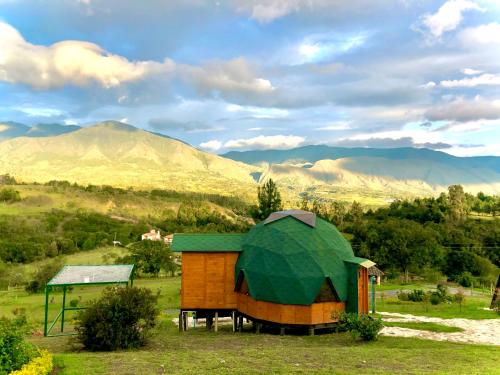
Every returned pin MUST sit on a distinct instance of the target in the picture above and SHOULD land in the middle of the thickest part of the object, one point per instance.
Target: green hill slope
(117, 154)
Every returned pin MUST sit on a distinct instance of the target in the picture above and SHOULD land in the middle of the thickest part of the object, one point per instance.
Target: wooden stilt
(181, 323)
(234, 317)
(258, 326)
(311, 331)
(240, 323)
(282, 331)
(210, 321)
(185, 320)
(216, 327)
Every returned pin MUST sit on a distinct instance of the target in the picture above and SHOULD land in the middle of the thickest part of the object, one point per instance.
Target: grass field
(472, 308)
(198, 351)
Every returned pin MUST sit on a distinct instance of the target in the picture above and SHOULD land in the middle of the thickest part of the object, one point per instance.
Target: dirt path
(484, 331)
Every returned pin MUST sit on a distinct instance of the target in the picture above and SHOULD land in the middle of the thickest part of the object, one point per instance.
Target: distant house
(168, 238)
(155, 235)
(152, 235)
(374, 271)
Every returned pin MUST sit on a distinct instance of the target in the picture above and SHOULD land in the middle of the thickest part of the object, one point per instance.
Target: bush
(14, 351)
(435, 299)
(465, 279)
(364, 326)
(40, 365)
(74, 303)
(416, 295)
(403, 296)
(122, 318)
(9, 195)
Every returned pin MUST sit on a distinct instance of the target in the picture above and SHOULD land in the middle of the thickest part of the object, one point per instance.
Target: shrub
(403, 296)
(416, 295)
(435, 299)
(365, 326)
(40, 365)
(122, 318)
(9, 195)
(465, 279)
(459, 298)
(74, 303)
(14, 351)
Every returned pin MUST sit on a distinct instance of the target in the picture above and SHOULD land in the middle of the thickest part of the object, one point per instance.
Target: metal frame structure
(53, 284)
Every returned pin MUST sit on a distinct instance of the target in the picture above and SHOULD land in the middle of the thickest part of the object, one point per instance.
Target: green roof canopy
(287, 261)
(214, 242)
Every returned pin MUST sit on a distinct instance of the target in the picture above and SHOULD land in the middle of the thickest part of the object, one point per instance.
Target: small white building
(168, 238)
(152, 235)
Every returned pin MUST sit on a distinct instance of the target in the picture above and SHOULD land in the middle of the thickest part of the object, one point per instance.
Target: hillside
(394, 172)
(117, 154)
(113, 153)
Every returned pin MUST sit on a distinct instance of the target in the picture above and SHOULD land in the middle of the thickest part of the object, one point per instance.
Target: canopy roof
(287, 260)
(207, 242)
(81, 275)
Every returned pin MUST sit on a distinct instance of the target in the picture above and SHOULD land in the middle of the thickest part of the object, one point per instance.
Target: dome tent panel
(294, 258)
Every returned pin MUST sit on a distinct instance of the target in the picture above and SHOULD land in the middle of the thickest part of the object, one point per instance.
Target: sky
(255, 74)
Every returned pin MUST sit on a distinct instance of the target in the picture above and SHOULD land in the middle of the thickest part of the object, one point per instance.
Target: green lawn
(472, 308)
(424, 326)
(198, 351)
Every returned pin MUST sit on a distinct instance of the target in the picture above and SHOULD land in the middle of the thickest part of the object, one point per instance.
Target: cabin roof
(207, 242)
(287, 261)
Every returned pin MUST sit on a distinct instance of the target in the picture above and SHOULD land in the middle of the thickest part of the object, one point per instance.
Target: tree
(337, 213)
(43, 275)
(269, 199)
(150, 257)
(458, 207)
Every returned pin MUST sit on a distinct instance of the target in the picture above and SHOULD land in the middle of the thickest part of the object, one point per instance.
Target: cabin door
(362, 290)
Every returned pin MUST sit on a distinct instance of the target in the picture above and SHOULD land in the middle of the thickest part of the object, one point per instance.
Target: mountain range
(119, 154)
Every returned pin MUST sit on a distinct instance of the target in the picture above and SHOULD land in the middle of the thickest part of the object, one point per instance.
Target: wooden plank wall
(362, 290)
(207, 280)
(317, 313)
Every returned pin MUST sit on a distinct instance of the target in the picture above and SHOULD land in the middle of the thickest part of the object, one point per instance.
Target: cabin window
(327, 293)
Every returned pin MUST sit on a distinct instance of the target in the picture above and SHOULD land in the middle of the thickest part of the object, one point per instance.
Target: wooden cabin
(293, 269)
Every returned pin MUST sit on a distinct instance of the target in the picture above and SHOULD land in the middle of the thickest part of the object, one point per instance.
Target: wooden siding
(362, 290)
(317, 313)
(207, 280)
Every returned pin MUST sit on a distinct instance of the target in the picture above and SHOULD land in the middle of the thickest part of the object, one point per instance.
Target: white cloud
(463, 110)
(39, 111)
(227, 76)
(339, 125)
(265, 142)
(82, 63)
(483, 79)
(212, 145)
(448, 16)
(429, 85)
(471, 72)
(258, 112)
(491, 149)
(67, 62)
(474, 37)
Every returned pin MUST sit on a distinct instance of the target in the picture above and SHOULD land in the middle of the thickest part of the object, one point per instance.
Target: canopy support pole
(45, 326)
(63, 308)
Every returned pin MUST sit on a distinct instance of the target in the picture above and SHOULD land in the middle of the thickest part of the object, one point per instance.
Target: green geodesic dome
(286, 260)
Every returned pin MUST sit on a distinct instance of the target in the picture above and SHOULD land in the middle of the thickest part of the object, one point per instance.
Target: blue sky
(255, 74)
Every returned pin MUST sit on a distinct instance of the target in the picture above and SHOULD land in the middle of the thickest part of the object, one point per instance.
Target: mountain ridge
(115, 153)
